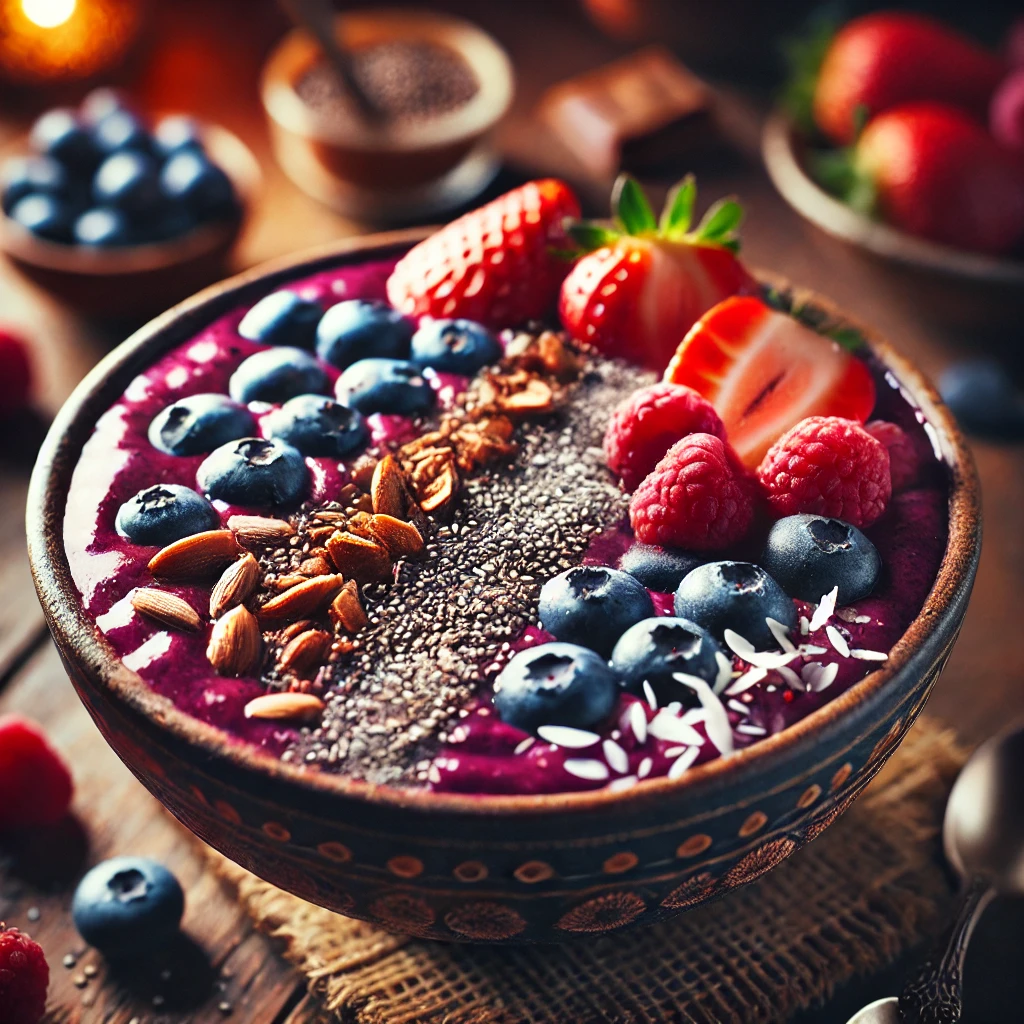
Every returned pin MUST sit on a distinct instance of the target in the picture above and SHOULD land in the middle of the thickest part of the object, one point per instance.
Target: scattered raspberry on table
(35, 784)
(24, 978)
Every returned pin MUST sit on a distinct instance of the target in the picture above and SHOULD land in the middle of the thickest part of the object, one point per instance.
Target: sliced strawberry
(764, 372)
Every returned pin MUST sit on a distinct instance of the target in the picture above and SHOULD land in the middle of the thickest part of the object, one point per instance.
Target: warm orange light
(48, 13)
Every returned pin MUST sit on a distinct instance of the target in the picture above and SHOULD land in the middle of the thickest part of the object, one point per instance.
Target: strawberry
(883, 60)
(499, 265)
(639, 290)
(764, 372)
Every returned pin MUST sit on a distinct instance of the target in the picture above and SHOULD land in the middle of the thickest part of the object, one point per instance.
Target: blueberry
(318, 425)
(101, 102)
(120, 130)
(254, 471)
(277, 374)
(385, 385)
(555, 684)
(129, 181)
(45, 216)
(593, 606)
(170, 222)
(165, 513)
(103, 226)
(360, 329)
(128, 906)
(24, 175)
(177, 132)
(282, 318)
(656, 648)
(660, 569)
(808, 555)
(200, 423)
(59, 133)
(737, 596)
(984, 399)
(454, 346)
(190, 178)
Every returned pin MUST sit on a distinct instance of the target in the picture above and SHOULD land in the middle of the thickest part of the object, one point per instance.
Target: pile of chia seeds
(442, 631)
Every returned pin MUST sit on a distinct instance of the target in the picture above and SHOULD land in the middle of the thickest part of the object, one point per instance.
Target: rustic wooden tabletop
(205, 57)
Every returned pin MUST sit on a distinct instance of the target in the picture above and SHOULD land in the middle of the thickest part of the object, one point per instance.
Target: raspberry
(827, 466)
(904, 462)
(24, 978)
(35, 785)
(15, 374)
(698, 497)
(649, 422)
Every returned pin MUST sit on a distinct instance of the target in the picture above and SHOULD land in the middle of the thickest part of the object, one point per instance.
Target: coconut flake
(739, 645)
(825, 610)
(683, 762)
(649, 694)
(805, 626)
(724, 676)
(665, 726)
(693, 716)
(742, 648)
(819, 677)
(862, 655)
(645, 768)
(809, 650)
(837, 640)
(566, 736)
(746, 681)
(740, 709)
(625, 783)
(791, 677)
(716, 724)
(862, 619)
(617, 758)
(638, 722)
(587, 768)
(524, 746)
(749, 729)
(781, 633)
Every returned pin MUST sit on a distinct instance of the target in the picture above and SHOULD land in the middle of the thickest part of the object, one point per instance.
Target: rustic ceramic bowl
(487, 868)
(963, 290)
(140, 280)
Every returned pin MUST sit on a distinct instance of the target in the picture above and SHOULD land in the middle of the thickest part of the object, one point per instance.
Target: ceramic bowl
(139, 280)
(957, 289)
(397, 172)
(488, 868)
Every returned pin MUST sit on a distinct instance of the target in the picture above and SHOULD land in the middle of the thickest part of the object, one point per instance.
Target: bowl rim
(80, 641)
(781, 149)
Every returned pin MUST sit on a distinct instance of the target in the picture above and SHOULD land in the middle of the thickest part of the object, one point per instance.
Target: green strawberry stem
(803, 54)
(839, 172)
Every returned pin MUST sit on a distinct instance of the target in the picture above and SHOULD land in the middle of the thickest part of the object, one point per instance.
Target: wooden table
(205, 57)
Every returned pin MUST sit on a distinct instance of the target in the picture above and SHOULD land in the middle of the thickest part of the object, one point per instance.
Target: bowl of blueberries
(118, 216)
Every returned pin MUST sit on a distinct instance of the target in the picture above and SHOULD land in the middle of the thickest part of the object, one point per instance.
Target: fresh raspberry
(24, 978)
(904, 462)
(35, 784)
(827, 466)
(698, 497)
(15, 374)
(649, 422)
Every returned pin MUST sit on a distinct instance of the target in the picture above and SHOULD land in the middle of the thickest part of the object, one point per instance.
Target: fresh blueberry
(103, 226)
(360, 329)
(45, 216)
(120, 130)
(555, 684)
(24, 175)
(177, 132)
(200, 423)
(128, 906)
(984, 399)
(101, 102)
(165, 513)
(454, 346)
(660, 569)
(385, 385)
(254, 471)
(189, 177)
(656, 648)
(808, 555)
(277, 374)
(129, 181)
(593, 606)
(318, 425)
(282, 318)
(59, 133)
(737, 596)
(170, 222)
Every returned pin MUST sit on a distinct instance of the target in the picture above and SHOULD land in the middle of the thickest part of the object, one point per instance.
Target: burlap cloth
(865, 890)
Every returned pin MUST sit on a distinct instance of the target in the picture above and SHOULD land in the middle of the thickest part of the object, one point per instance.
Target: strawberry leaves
(630, 208)
(677, 215)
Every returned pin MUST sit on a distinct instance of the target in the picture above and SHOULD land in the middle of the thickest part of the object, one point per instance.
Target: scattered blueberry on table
(984, 398)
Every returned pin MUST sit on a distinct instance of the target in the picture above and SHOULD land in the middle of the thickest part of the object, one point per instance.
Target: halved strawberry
(764, 372)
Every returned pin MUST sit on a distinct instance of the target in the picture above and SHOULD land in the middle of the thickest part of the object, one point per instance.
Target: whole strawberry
(499, 265)
(24, 978)
(644, 282)
(883, 60)
(35, 784)
(698, 498)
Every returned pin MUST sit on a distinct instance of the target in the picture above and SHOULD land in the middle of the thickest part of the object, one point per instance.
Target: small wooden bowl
(488, 868)
(394, 172)
(955, 288)
(139, 280)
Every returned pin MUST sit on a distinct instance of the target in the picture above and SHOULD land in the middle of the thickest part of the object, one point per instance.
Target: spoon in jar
(983, 837)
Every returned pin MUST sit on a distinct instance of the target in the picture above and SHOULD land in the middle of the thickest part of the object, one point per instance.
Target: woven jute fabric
(860, 894)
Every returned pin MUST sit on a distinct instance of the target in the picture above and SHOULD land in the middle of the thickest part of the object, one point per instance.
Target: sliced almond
(361, 524)
(387, 491)
(363, 470)
(260, 529)
(440, 491)
(294, 629)
(167, 609)
(301, 601)
(316, 565)
(347, 611)
(558, 359)
(358, 558)
(289, 580)
(198, 555)
(535, 397)
(306, 652)
(402, 539)
(236, 644)
(236, 585)
(284, 707)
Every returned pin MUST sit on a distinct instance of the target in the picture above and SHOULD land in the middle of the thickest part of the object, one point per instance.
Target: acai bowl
(398, 671)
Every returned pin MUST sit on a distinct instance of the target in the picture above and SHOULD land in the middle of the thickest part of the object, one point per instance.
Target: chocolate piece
(639, 113)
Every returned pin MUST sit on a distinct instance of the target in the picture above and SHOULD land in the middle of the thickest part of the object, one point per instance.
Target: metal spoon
(983, 837)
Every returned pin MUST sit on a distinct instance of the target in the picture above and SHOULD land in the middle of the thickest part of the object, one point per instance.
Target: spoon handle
(934, 995)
